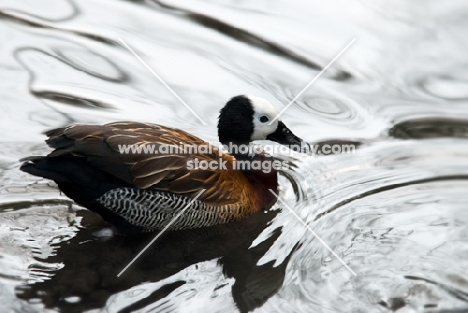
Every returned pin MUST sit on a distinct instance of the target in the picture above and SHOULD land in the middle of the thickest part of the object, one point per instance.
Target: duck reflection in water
(91, 265)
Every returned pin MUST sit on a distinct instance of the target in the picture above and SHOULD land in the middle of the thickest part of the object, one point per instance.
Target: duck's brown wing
(150, 156)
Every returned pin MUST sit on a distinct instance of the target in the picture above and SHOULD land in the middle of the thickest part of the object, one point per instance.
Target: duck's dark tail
(56, 169)
(81, 182)
(72, 171)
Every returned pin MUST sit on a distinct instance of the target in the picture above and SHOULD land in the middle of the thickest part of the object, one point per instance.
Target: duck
(141, 191)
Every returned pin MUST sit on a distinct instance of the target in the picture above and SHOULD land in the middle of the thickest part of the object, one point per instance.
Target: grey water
(394, 211)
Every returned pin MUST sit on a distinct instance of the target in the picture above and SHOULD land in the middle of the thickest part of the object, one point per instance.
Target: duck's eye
(264, 119)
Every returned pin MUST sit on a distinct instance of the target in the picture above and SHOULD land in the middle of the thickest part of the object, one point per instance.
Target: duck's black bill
(285, 136)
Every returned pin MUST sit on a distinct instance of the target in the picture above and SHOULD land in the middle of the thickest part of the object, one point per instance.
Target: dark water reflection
(394, 209)
(431, 128)
(90, 267)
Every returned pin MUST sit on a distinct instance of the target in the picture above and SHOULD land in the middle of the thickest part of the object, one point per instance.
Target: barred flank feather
(152, 209)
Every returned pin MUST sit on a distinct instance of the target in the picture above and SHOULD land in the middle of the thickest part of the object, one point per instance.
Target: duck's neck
(259, 169)
(264, 183)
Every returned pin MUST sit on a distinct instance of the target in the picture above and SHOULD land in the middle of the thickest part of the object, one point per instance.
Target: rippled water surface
(395, 210)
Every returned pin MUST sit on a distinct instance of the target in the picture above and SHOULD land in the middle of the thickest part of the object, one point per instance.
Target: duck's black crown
(235, 121)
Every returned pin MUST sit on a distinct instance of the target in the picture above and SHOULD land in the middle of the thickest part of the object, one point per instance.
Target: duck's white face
(264, 113)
